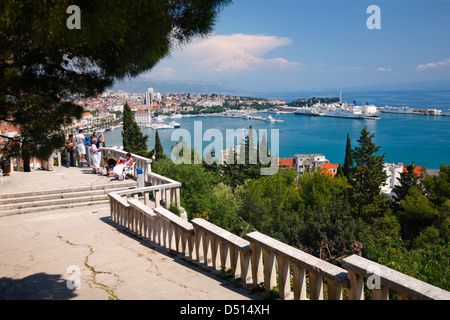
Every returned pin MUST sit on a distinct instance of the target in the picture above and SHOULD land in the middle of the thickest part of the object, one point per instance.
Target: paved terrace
(38, 248)
(132, 247)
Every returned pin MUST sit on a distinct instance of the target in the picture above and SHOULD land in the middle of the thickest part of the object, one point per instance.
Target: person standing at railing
(95, 152)
(70, 151)
(80, 140)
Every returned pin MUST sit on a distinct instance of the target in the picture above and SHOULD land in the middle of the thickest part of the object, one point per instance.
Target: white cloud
(442, 63)
(351, 68)
(236, 52)
(162, 72)
(384, 69)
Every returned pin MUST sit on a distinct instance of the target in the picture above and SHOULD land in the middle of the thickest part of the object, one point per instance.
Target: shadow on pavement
(39, 286)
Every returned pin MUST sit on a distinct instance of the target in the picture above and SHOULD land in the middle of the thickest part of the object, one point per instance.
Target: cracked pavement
(37, 250)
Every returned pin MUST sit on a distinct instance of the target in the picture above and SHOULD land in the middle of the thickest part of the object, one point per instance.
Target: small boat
(175, 124)
(270, 119)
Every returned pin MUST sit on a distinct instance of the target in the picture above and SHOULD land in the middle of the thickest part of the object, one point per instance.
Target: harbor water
(406, 138)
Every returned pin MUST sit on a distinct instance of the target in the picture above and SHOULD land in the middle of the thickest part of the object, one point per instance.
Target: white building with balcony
(310, 161)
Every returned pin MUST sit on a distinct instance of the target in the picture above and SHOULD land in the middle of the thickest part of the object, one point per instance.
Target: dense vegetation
(330, 217)
(312, 101)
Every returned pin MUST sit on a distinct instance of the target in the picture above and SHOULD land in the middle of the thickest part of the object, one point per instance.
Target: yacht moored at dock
(399, 110)
(309, 111)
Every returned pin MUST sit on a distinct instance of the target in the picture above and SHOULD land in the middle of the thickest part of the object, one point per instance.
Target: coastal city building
(142, 117)
(330, 168)
(309, 162)
(149, 95)
(287, 163)
(393, 172)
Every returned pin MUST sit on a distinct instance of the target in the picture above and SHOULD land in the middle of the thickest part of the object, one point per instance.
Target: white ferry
(308, 111)
(434, 112)
(402, 110)
(349, 112)
(236, 113)
(273, 110)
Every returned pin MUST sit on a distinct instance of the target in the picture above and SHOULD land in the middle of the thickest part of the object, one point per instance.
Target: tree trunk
(26, 161)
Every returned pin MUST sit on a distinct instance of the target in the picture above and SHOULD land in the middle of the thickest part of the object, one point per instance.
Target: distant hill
(405, 86)
(175, 86)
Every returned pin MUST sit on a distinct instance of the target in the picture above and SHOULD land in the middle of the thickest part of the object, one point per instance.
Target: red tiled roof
(328, 167)
(287, 162)
(417, 170)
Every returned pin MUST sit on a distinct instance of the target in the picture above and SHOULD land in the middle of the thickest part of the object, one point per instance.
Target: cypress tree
(347, 169)
(369, 176)
(132, 138)
(158, 151)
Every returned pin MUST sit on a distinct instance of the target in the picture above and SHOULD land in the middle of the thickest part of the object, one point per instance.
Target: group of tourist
(114, 168)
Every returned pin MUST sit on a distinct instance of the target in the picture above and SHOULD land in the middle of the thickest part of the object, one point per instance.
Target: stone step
(50, 202)
(52, 207)
(44, 200)
(60, 195)
(117, 185)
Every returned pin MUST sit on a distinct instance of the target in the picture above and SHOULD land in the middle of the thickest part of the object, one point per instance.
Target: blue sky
(296, 45)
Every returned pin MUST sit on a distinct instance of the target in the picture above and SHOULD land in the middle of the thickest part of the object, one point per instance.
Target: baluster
(315, 286)
(257, 266)
(269, 269)
(299, 282)
(284, 284)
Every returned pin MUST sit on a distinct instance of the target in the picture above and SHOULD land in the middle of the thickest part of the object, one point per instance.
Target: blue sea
(424, 140)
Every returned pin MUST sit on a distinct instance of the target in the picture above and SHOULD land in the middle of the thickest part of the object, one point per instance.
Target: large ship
(273, 110)
(348, 112)
(308, 111)
(402, 110)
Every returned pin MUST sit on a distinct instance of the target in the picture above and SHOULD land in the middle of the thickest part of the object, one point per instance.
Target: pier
(248, 117)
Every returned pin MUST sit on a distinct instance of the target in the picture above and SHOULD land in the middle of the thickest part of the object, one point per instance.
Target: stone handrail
(264, 252)
(212, 242)
(168, 193)
(380, 279)
(155, 224)
(266, 257)
(257, 258)
(16, 162)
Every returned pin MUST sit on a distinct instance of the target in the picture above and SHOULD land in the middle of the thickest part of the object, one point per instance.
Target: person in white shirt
(95, 157)
(80, 140)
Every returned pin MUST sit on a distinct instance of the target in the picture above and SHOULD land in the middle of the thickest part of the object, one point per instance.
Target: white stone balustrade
(257, 258)
(380, 279)
(155, 224)
(266, 251)
(221, 249)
